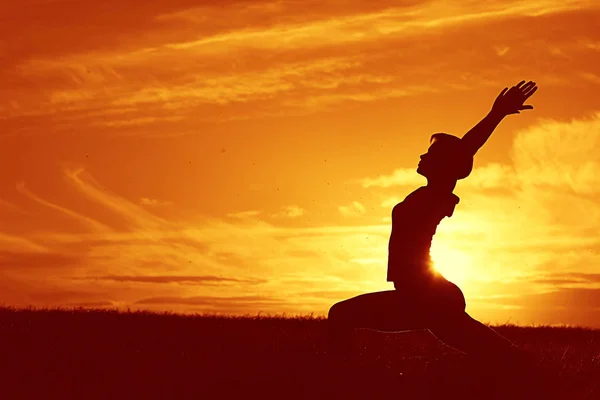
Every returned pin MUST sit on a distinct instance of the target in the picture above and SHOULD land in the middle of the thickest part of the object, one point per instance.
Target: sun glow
(453, 264)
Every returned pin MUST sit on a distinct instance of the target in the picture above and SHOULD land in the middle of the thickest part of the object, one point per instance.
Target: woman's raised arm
(508, 102)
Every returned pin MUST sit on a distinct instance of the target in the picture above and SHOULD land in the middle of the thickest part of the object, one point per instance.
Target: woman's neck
(445, 186)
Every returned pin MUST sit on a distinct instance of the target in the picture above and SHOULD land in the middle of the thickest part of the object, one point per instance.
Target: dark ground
(77, 354)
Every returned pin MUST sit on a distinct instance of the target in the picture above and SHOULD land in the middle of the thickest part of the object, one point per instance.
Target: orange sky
(245, 157)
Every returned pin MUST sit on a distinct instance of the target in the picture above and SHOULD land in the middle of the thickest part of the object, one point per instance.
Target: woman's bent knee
(454, 298)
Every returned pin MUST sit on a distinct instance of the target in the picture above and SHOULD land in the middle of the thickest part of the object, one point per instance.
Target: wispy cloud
(501, 50)
(41, 261)
(490, 176)
(145, 201)
(199, 280)
(244, 214)
(87, 221)
(17, 243)
(591, 77)
(570, 278)
(140, 121)
(400, 177)
(354, 209)
(126, 209)
(372, 25)
(10, 206)
(306, 59)
(292, 211)
(563, 155)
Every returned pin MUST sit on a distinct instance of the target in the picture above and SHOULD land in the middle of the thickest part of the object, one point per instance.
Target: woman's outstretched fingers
(531, 91)
(527, 86)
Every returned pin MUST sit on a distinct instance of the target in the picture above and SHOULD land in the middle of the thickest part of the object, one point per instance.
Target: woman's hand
(511, 101)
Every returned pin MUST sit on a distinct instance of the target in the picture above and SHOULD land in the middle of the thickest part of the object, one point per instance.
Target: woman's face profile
(438, 162)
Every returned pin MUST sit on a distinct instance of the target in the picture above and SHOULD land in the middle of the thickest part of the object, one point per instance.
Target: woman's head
(446, 159)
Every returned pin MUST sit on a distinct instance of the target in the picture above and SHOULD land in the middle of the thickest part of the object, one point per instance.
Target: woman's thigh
(448, 296)
(383, 311)
(432, 298)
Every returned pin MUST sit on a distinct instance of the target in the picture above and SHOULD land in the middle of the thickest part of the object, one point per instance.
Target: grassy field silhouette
(99, 354)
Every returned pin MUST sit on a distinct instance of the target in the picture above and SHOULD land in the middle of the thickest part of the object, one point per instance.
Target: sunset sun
(453, 264)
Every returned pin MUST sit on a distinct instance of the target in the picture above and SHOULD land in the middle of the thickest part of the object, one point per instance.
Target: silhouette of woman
(423, 299)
